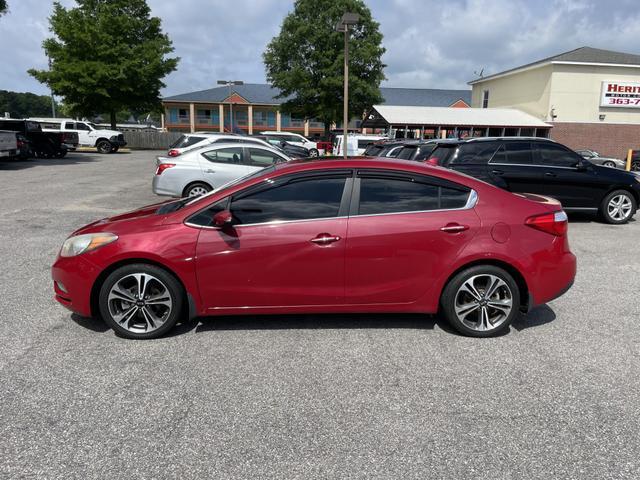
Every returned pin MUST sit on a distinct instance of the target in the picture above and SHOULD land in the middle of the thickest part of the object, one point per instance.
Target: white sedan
(199, 171)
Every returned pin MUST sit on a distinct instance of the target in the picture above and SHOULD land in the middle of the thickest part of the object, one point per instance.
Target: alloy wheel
(197, 191)
(140, 303)
(619, 207)
(483, 302)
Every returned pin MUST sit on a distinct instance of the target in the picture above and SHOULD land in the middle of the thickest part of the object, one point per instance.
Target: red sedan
(357, 235)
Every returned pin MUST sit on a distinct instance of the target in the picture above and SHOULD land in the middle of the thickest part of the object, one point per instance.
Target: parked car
(289, 149)
(24, 146)
(295, 139)
(104, 140)
(49, 144)
(194, 141)
(595, 158)
(356, 143)
(200, 171)
(387, 148)
(8, 144)
(544, 167)
(334, 236)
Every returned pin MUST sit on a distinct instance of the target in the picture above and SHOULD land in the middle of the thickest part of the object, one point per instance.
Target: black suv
(544, 167)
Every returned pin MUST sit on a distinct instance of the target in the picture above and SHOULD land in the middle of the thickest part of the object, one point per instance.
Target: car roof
(460, 141)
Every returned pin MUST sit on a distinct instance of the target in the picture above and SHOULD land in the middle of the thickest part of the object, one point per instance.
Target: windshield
(186, 141)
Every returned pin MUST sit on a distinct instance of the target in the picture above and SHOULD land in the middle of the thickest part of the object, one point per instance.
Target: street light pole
(343, 26)
(230, 84)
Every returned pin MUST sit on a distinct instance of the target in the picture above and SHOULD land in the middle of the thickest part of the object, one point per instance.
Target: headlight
(85, 243)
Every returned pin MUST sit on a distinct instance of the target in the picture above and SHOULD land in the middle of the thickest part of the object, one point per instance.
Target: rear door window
(406, 153)
(233, 155)
(442, 154)
(259, 157)
(514, 153)
(380, 194)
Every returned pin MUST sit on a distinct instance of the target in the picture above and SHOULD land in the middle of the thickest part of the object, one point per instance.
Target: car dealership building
(591, 97)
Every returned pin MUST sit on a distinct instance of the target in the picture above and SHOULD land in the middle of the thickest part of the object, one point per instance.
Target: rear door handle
(549, 174)
(454, 228)
(497, 172)
(325, 239)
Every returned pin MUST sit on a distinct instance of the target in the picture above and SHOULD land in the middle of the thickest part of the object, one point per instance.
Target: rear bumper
(553, 280)
(73, 279)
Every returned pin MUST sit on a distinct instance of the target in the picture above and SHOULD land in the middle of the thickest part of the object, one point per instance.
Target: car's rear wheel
(104, 146)
(481, 301)
(609, 164)
(196, 189)
(618, 207)
(141, 301)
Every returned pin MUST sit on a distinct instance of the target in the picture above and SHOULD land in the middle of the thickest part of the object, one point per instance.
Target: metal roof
(443, 116)
(260, 93)
(579, 55)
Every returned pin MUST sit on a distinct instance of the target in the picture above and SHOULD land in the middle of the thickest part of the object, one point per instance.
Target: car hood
(130, 221)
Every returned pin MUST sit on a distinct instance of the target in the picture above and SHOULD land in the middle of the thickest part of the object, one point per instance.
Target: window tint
(297, 200)
(82, 126)
(364, 143)
(263, 158)
(555, 155)
(406, 153)
(204, 218)
(373, 150)
(391, 195)
(475, 153)
(442, 154)
(518, 153)
(424, 152)
(225, 155)
(393, 152)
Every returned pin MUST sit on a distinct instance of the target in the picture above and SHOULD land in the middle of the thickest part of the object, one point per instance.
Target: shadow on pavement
(93, 324)
(71, 159)
(536, 317)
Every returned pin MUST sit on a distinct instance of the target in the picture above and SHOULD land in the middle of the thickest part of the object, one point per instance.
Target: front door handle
(325, 239)
(497, 172)
(454, 228)
(549, 174)
(208, 170)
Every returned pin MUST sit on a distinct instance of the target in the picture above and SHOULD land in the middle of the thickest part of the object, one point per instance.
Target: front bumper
(118, 141)
(73, 278)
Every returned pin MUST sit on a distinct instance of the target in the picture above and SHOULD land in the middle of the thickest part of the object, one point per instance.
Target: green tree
(306, 60)
(107, 56)
(24, 105)
(3, 7)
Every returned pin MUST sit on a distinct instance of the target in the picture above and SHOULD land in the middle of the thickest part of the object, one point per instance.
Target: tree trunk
(112, 114)
(327, 131)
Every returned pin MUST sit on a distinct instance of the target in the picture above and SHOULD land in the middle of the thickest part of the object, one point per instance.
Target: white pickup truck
(106, 141)
(8, 144)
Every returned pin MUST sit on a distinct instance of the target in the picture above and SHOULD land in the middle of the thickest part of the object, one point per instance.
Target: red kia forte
(358, 235)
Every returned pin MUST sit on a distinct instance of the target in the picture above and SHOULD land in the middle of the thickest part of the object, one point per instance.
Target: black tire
(103, 146)
(61, 153)
(609, 164)
(196, 189)
(115, 148)
(173, 289)
(509, 291)
(635, 166)
(314, 152)
(612, 218)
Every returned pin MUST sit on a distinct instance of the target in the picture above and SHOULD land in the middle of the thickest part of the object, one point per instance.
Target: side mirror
(222, 219)
(582, 165)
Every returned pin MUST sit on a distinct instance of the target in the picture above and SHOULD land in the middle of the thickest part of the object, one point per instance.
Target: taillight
(555, 223)
(163, 166)
(174, 153)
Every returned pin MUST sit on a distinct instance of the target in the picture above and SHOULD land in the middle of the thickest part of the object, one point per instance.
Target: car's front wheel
(196, 189)
(618, 207)
(141, 301)
(481, 301)
(104, 146)
(609, 164)
(313, 152)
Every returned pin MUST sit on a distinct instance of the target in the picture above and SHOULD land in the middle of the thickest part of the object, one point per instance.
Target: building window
(207, 116)
(183, 115)
(485, 98)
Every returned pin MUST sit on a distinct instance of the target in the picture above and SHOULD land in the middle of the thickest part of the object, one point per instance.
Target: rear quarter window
(186, 141)
(475, 153)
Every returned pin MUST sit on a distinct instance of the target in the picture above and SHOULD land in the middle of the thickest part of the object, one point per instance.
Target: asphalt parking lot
(308, 396)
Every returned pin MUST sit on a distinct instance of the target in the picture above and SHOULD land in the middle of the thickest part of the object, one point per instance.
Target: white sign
(620, 94)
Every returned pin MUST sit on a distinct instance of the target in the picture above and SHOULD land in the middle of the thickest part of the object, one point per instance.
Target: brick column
(192, 117)
(306, 128)
(250, 119)
(221, 113)
(278, 120)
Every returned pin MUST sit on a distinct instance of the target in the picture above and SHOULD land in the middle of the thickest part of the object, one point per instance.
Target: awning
(382, 116)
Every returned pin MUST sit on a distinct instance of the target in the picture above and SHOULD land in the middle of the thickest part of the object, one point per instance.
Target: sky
(430, 43)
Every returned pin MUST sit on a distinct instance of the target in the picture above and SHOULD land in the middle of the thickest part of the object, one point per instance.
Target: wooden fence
(150, 140)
